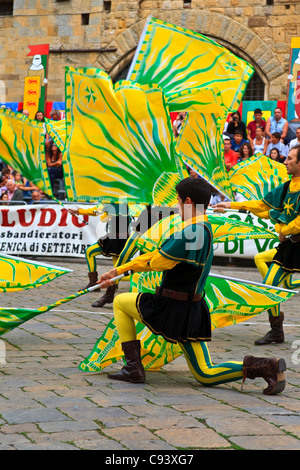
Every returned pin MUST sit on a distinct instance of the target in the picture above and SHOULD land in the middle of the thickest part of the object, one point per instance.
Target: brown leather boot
(276, 334)
(272, 370)
(133, 371)
(93, 278)
(106, 298)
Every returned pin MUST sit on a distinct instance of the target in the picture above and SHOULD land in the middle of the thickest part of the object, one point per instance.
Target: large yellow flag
(120, 143)
(194, 72)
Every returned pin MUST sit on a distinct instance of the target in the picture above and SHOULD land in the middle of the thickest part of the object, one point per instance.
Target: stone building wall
(105, 34)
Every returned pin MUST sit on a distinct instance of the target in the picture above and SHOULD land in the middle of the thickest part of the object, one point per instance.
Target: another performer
(282, 206)
(178, 310)
(111, 245)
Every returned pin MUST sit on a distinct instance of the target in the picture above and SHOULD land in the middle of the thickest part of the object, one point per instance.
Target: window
(6, 7)
(255, 90)
(187, 3)
(107, 5)
(85, 19)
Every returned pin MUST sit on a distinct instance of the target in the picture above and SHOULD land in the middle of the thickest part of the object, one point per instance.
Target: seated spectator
(275, 155)
(13, 192)
(258, 122)
(6, 175)
(245, 151)
(177, 124)
(277, 143)
(260, 143)
(231, 157)
(54, 163)
(295, 141)
(217, 197)
(36, 196)
(39, 116)
(277, 123)
(55, 115)
(4, 197)
(237, 141)
(236, 124)
(192, 173)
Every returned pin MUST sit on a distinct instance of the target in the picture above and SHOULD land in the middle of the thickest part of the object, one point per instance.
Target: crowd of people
(15, 187)
(266, 136)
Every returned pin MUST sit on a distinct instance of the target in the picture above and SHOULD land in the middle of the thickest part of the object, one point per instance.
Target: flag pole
(260, 284)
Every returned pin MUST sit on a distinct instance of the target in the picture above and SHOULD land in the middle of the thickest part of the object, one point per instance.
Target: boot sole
(135, 380)
(280, 385)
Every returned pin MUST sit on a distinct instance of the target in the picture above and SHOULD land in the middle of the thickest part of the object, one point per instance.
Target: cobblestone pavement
(46, 402)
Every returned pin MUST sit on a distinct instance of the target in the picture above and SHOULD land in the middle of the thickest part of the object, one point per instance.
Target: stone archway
(224, 30)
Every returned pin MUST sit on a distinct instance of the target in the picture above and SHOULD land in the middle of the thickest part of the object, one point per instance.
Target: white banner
(50, 230)
(46, 230)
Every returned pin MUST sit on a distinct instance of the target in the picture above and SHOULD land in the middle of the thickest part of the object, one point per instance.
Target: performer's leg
(126, 254)
(198, 359)
(275, 277)
(261, 260)
(200, 365)
(90, 255)
(125, 312)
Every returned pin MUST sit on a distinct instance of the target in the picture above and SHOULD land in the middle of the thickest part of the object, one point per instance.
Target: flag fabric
(123, 135)
(194, 72)
(229, 302)
(255, 177)
(200, 145)
(22, 146)
(223, 228)
(57, 131)
(11, 318)
(17, 274)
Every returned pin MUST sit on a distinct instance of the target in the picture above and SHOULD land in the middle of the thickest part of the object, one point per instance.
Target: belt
(295, 238)
(172, 294)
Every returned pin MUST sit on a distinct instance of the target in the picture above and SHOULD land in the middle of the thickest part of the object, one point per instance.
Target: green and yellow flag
(194, 72)
(17, 274)
(57, 131)
(119, 141)
(229, 302)
(22, 146)
(200, 145)
(255, 177)
(223, 229)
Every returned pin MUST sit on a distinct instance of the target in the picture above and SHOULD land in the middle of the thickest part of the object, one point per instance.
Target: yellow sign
(31, 95)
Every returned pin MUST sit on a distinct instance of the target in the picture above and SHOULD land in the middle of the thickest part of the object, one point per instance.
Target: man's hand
(104, 280)
(74, 211)
(221, 206)
(282, 238)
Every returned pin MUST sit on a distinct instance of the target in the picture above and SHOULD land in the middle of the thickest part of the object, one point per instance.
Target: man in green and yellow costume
(178, 310)
(282, 206)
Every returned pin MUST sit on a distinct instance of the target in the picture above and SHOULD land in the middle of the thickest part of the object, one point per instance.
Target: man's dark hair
(195, 188)
(276, 135)
(257, 111)
(237, 132)
(297, 147)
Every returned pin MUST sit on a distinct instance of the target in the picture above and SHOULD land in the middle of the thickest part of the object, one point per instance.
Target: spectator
(54, 163)
(177, 124)
(236, 124)
(13, 192)
(217, 197)
(36, 196)
(245, 151)
(276, 142)
(4, 197)
(192, 173)
(295, 141)
(55, 115)
(39, 116)
(237, 141)
(6, 175)
(260, 143)
(231, 157)
(25, 112)
(258, 122)
(277, 123)
(275, 155)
